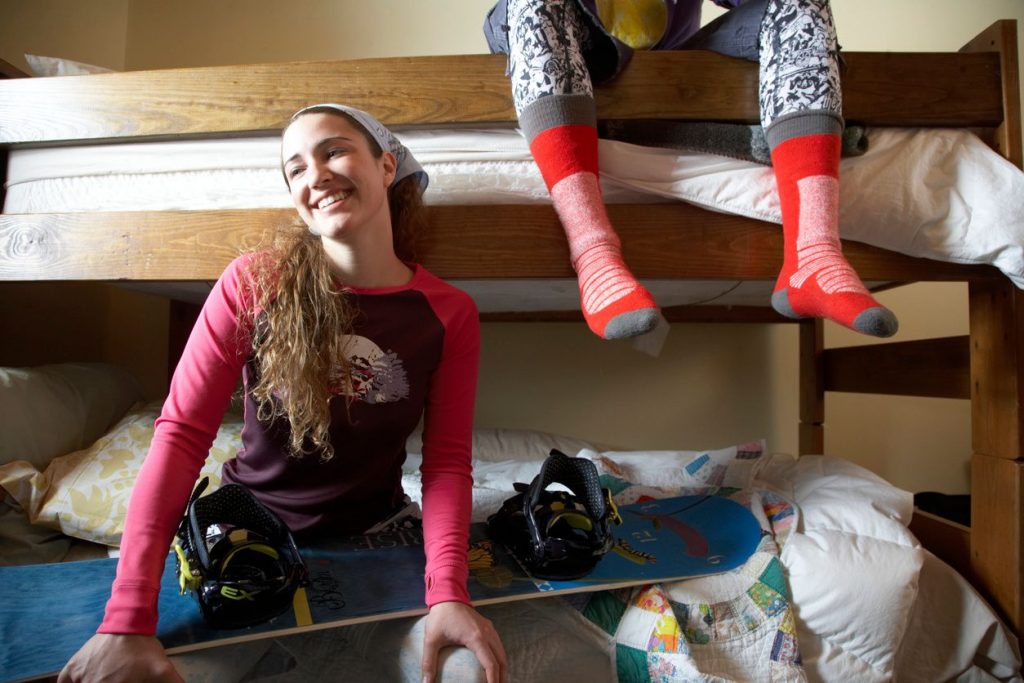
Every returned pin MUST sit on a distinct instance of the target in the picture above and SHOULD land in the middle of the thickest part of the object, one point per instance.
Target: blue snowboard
(48, 611)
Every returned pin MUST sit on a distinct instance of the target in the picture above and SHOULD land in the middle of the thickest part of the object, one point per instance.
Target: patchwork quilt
(738, 625)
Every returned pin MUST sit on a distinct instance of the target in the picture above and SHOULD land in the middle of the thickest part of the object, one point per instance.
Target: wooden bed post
(997, 426)
(997, 384)
(1001, 37)
(812, 387)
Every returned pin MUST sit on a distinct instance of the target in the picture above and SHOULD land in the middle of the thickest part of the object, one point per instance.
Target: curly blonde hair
(299, 301)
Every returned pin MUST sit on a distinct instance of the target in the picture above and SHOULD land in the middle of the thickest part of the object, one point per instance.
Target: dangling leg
(801, 111)
(554, 100)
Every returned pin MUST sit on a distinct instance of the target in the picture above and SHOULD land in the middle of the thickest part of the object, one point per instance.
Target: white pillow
(50, 410)
(85, 494)
(54, 66)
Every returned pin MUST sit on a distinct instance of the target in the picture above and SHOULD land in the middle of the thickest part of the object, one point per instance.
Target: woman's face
(335, 181)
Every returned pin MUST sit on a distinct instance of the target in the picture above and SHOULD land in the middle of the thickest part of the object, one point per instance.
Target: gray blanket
(739, 141)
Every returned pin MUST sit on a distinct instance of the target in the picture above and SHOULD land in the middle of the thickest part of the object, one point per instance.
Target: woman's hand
(455, 623)
(129, 658)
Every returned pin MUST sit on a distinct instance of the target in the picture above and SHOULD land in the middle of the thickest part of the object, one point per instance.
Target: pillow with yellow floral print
(84, 494)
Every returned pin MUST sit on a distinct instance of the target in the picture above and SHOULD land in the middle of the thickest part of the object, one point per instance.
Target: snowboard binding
(558, 535)
(237, 557)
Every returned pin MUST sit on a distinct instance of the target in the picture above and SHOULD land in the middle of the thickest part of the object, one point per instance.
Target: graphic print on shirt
(377, 376)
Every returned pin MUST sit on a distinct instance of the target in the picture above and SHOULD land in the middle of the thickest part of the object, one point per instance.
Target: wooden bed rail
(935, 368)
(880, 88)
(460, 244)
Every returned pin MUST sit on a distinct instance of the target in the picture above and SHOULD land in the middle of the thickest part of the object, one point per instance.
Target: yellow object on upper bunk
(638, 23)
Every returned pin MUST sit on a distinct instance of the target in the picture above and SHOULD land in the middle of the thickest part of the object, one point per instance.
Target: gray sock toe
(877, 322)
(631, 324)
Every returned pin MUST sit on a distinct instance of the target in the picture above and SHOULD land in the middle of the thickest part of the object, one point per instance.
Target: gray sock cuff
(802, 123)
(557, 110)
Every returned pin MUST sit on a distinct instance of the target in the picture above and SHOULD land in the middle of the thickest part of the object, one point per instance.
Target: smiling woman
(337, 173)
(342, 347)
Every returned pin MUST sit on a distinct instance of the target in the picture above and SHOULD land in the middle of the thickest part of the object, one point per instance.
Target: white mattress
(939, 194)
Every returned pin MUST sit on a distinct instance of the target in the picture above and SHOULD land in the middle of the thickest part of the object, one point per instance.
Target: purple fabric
(735, 33)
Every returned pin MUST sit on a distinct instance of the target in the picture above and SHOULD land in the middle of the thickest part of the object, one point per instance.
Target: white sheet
(939, 194)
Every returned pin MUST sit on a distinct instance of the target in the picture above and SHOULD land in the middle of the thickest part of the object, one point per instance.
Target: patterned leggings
(799, 62)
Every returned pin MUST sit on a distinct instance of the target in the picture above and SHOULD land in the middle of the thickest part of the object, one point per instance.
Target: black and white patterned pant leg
(546, 41)
(799, 63)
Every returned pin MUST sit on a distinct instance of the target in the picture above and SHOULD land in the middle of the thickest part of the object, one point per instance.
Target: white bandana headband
(406, 162)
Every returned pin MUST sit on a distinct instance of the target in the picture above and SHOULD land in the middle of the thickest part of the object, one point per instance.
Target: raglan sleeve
(447, 476)
(199, 394)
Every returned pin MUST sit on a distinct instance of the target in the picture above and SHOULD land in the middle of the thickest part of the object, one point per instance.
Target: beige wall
(94, 32)
(713, 384)
(710, 386)
(211, 32)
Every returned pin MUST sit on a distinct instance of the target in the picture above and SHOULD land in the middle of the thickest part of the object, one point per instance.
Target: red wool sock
(816, 280)
(615, 305)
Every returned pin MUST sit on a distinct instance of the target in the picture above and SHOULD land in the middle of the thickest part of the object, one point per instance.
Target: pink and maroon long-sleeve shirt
(414, 351)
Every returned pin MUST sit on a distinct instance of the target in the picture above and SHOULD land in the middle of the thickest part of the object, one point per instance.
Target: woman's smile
(334, 198)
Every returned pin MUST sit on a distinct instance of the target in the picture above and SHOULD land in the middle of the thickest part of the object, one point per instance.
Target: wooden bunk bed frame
(974, 88)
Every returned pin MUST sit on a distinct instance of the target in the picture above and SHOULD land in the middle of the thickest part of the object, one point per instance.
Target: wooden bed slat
(463, 242)
(880, 88)
(937, 368)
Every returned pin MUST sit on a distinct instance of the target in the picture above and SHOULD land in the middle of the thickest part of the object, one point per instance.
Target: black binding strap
(237, 557)
(558, 535)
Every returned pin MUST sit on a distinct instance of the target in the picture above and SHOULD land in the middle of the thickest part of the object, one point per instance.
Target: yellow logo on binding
(232, 593)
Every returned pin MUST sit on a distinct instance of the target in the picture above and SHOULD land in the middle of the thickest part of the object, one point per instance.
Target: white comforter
(861, 584)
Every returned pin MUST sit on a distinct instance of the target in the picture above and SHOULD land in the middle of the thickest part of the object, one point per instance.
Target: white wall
(713, 384)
